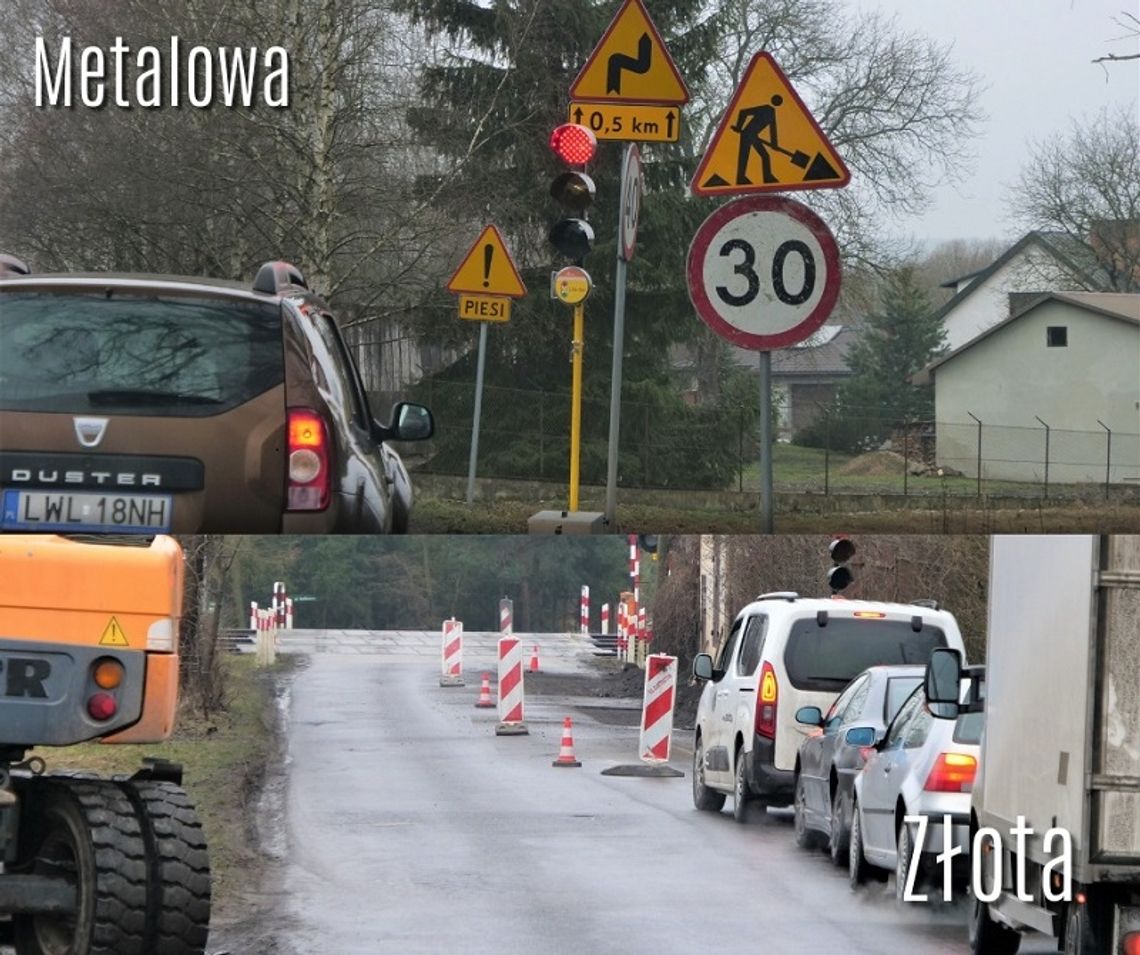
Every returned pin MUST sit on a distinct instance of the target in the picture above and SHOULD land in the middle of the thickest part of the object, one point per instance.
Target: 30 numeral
(746, 268)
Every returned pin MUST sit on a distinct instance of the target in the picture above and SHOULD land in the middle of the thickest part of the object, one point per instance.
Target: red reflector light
(1131, 943)
(952, 773)
(766, 704)
(102, 706)
(573, 144)
(307, 462)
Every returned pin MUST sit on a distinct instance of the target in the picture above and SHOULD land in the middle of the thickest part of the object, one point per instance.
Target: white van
(783, 652)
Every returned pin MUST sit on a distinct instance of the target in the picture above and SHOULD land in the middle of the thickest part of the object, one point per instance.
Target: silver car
(922, 767)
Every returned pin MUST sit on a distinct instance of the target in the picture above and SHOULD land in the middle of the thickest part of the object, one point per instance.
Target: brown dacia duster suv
(135, 403)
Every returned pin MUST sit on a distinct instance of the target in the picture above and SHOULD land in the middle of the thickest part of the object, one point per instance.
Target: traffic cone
(566, 753)
(534, 659)
(485, 700)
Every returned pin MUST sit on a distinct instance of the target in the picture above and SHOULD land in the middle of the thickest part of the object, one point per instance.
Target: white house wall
(1031, 271)
(1011, 376)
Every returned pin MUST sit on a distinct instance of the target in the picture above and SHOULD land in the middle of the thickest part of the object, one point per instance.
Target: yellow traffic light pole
(577, 345)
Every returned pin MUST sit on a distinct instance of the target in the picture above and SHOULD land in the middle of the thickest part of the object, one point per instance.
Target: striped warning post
(451, 653)
(584, 610)
(657, 707)
(605, 620)
(621, 631)
(510, 688)
(634, 569)
(253, 618)
(506, 616)
(288, 613)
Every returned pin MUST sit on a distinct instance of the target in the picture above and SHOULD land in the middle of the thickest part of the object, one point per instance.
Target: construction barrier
(605, 619)
(253, 615)
(511, 713)
(451, 656)
(288, 613)
(657, 708)
(584, 611)
(506, 616)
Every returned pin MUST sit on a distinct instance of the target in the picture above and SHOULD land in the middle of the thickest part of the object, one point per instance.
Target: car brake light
(102, 706)
(308, 458)
(1131, 944)
(766, 704)
(952, 773)
(869, 614)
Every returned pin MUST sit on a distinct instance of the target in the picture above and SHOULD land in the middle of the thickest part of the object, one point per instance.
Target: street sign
(763, 272)
(630, 63)
(642, 122)
(630, 200)
(484, 308)
(570, 285)
(767, 141)
(487, 268)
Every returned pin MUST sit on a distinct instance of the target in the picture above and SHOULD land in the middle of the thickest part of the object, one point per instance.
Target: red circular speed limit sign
(763, 272)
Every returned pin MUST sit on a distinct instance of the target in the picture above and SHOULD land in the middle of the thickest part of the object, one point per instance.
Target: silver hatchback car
(922, 767)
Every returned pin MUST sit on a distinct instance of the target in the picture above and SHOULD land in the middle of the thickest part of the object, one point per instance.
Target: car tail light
(308, 479)
(1131, 943)
(766, 704)
(102, 706)
(952, 773)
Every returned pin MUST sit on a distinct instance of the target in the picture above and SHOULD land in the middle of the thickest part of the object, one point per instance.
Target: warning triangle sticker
(767, 141)
(630, 63)
(113, 635)
(488, 268)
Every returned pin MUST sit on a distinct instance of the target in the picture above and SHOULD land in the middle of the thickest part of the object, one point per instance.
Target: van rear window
(826, 658)
(135, 354)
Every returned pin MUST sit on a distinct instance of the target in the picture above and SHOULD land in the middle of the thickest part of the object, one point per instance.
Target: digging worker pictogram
(751, 124)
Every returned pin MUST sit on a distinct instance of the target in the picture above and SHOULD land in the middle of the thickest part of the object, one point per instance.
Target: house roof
(824, 352)
(1116, 305)
(1063, 248)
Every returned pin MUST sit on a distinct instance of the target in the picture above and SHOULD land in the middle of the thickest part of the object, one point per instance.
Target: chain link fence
(525, 436)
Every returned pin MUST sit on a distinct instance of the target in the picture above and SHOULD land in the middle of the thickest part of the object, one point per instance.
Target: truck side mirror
(943, 682)
(702, 666)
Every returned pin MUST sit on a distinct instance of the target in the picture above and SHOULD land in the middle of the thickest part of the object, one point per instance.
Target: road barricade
(451, 653)
(511, 711)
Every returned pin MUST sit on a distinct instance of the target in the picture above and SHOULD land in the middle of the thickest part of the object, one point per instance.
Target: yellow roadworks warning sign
(488, 268)
(767, 141)
(113, 635)
(630, 63)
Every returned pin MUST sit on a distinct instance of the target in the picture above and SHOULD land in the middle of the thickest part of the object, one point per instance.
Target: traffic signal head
(574, 145)
(840, 576)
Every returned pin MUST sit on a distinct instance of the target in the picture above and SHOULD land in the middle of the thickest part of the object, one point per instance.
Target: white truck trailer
(1061, 749)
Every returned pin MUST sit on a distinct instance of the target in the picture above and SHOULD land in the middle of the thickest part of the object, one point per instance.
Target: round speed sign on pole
(763, 272)
(630, 200)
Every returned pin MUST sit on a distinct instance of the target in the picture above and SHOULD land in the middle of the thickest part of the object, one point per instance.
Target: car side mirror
(861, 736)
(942, 683)
(809, 716)
(410, 422)
(703, 666)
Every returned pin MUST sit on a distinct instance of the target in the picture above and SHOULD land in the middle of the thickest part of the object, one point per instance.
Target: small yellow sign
(630, 63)
(632, 122)
(487, 268)
(484, 308)
(570, 285)
(113, 635)
(767, 141)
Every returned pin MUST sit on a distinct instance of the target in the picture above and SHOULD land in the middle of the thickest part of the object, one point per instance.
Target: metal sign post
(766, 486)
(576, 347)
(627, 238)
(478, 412)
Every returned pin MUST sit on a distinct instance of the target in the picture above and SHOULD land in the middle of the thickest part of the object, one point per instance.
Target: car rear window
(134, 354)
(968, 728)
(826, 658)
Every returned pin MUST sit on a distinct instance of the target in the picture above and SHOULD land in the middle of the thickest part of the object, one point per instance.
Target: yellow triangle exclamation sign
(113, 635)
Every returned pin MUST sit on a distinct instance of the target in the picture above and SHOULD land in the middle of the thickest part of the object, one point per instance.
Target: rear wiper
(114, 396)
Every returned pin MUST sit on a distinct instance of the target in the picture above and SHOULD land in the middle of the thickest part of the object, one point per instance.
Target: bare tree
(1086, 186)
(1130, 24)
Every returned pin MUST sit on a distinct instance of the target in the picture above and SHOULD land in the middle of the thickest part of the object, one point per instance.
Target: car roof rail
(273, 277)
(13, 266)
(789, 595)
(927, 602)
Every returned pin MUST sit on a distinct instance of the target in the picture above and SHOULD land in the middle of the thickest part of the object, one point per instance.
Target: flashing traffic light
(648, 543)
(840, 576)
(575, 146)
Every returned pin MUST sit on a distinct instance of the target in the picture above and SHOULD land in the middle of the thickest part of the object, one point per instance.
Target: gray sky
(1034, 58)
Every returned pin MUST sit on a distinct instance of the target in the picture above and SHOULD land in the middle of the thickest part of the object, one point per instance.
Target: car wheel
(988, 937)
(857, 868)
(704, 798)
(839, 838)
(806, 837)
(741, 797)
(904, 859)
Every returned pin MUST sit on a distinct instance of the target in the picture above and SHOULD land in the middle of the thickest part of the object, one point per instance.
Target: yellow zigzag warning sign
(487, 268)
(767, 141)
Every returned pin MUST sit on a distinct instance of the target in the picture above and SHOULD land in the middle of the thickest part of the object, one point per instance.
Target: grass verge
(223, 757)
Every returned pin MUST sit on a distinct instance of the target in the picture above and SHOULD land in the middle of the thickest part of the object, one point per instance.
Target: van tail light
(308, 482)
(766, 704)
(952, 773)
(1131, 943)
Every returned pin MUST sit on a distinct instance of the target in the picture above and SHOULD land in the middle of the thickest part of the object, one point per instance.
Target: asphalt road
(410, 827)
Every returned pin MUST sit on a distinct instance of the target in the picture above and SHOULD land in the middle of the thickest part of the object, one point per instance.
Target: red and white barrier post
(605, 620)
(621, 631)
(657, 708)
(451, 655)
(288, 613)
(510, 688)
(584, 611)
(266, 638)
(279, 597)
(253, 618)
(506, 616)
